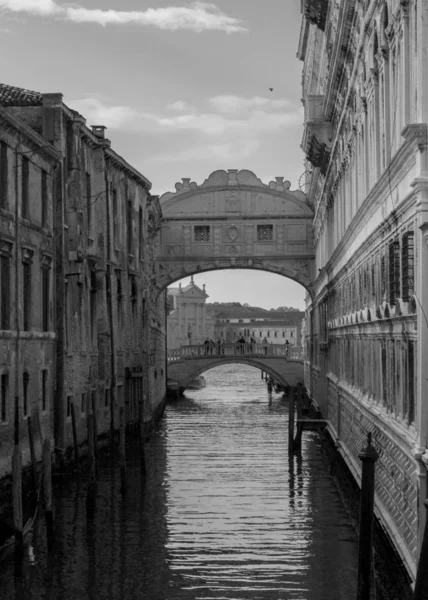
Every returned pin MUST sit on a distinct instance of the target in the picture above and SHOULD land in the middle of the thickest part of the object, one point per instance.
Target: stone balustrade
(225, 350)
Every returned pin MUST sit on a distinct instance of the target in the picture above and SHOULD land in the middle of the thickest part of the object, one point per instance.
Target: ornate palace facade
(365, 96)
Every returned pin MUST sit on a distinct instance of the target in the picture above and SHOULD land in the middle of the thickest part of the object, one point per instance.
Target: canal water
(222, 514)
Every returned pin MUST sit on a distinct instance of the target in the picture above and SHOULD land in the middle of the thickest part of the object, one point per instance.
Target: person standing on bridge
(241, 344)
(287, 347)
(206, 344)
(265, 344)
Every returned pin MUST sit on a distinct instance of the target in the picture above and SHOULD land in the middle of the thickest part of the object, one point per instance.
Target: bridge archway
(234, 221)
(287, 373)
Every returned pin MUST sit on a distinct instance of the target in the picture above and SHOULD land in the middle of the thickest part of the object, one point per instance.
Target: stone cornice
(120, 163)
(32, 139)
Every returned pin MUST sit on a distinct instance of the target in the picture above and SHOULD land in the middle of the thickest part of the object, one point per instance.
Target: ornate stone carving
(233, 232)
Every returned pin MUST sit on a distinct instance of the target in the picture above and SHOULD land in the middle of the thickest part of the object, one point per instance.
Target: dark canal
(222, 514)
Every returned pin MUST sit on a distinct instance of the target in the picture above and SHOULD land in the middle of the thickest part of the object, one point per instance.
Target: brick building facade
(86, 229)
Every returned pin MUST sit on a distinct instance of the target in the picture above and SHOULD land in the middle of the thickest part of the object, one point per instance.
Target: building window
(94, 402)
(44, 198)
(45, 298)
(394, 271)
(4, 396)
(276, 334)
(283, 334)
(26, 291)
(268, 333)
(411, 388)
(382, 278)
(264, 233)
(93, 304)
(4, 180)
(291, 333)
(83, 403)
(140, 233)
(69, 402)
(25, 381)
(44, 389)
(129, 225)
(407, 265)
(25, 175)
(115, 218)
(5, 291)
(133, 288)
(88, 185)
(202, 233)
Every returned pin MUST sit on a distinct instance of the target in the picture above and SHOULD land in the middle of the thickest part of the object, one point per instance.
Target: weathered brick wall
(26, 359)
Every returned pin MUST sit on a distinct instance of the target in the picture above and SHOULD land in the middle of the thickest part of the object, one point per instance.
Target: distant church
(189, 321)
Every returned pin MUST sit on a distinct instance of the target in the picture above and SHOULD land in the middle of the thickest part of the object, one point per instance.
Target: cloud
(230, 150)
(181, 106)
(213, 124)
(238, 104)
(98, 113)
(197, 16)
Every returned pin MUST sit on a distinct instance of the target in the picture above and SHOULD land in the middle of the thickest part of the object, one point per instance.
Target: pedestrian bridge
(283, 363)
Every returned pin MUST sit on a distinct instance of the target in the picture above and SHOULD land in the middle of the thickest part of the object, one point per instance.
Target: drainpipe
(110, 311)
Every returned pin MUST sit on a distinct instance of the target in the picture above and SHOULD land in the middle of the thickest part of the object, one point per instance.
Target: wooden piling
(47, 488)
(122, 449)
(75, 443)
(299, 426)
(291, 424)
(261, 372)
(91, 445)
(368, 457)
(94, 423)
(33, 455)
(17, 500)
(142, 435)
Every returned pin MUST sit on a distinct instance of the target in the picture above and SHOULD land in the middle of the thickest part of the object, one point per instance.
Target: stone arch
(196, 368)
(233, 220)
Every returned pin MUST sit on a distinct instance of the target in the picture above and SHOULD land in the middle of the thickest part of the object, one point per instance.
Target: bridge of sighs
(235, 221)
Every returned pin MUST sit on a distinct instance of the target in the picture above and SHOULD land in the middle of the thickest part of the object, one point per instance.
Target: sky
(183, 88)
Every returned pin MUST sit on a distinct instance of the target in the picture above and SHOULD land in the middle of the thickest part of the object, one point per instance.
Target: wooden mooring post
(32, 455)
(47, 489)
(291, 406)
(17, 487)
(122, 449)
(299, 426)
(75, 443)
(421, 585)
(368, 457)
(142, 433)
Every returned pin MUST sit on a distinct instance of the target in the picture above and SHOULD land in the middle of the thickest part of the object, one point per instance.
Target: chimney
(99, 130)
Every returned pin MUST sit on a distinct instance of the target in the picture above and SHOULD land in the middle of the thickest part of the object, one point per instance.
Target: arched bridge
(283, 363)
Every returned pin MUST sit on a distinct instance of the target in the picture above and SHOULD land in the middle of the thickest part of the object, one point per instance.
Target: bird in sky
(271, 89)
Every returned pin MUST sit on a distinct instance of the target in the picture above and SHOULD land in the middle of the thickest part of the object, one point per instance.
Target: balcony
(316, 12)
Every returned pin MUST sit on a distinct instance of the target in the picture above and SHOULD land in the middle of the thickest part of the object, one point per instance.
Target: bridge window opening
(264, 233)
(202, 233)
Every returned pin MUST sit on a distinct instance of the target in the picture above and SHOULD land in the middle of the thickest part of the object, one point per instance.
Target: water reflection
(222, 514)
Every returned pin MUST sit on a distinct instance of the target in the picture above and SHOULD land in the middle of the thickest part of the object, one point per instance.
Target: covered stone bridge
(283, 363)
